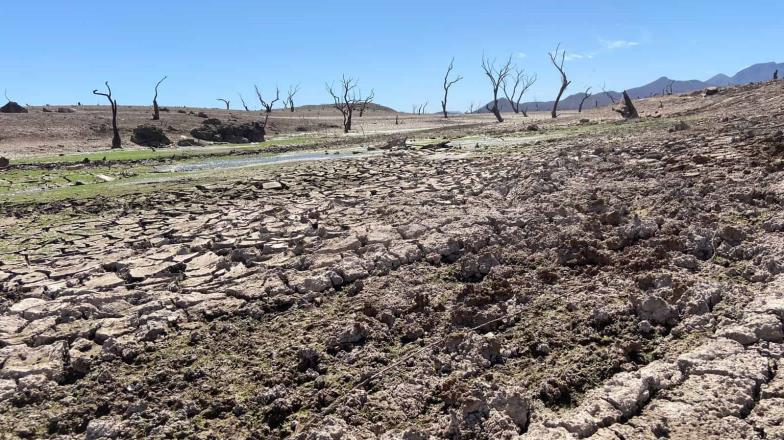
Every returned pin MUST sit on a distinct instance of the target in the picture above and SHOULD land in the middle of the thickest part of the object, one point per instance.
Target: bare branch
(447, 84)
(225, 101)
(245, 106)
(116, 141)
(497, 76)
(564, 81)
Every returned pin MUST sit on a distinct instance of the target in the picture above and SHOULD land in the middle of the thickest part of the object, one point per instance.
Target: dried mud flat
(625, 281)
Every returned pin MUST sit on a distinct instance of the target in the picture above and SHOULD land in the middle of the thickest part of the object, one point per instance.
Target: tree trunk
(580, 109)
(156, 115)
(443, 107)
(347, 123)
(554, 113)
(632, 111)
(116, 141)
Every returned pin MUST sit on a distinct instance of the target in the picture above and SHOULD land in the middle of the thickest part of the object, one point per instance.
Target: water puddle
(251, 161)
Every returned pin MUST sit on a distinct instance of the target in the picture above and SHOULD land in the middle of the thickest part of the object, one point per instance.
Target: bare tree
(564, 81)
(245, 106)
(156, 115)
(471, 107)
(608, 94)
(627, 110)
(367, 100)
(345, 99)
(521, 84)
(496, 75)
(447, 84)
(267, 105)
(586, 95)
(422, 108)
(290, 98)
(116, 141)
(776, 75)
(225, 101)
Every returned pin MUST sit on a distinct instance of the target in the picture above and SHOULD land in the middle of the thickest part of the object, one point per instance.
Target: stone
(149, 136)
(4, 162)
(22, 361)
(12, 107)
(232, 133)
(766, 327)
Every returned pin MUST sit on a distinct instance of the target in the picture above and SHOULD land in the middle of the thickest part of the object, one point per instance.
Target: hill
(755, 73)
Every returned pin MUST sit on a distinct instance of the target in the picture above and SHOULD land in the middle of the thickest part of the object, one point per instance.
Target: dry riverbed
(595, 279)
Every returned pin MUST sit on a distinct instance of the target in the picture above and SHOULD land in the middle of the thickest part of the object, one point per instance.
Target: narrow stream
(211, 164)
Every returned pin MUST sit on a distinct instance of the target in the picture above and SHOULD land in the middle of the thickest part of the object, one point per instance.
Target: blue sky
(57, 51)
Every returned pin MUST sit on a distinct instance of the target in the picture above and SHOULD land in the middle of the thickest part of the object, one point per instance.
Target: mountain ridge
(754, 73)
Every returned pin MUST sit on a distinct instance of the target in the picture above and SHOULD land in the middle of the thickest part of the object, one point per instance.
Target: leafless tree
(422, 108)
(365, 101)
(521, 84)
(225, 101)
(156, 115)
(345, 99)
(776, 75)
(608, 94)
(290, 98)
(447, 84)
(564, 81)
(245, 106)
(471, 107)
(586, 95)
(116, 142)
(627, 110)
(496, 75)
(267, 105)
(5, 92)
(668, 88)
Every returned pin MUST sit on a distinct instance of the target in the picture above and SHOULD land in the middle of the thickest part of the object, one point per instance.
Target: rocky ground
(618, 281)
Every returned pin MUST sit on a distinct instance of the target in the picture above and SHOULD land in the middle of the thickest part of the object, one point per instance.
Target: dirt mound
(12, 107)
(149, 136)
(216, 131)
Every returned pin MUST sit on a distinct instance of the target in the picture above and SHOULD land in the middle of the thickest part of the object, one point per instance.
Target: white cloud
(617, 44)
(521, 55)
(571, 56)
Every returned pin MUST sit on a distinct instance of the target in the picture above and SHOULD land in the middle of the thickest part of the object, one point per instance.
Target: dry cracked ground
(622, 281)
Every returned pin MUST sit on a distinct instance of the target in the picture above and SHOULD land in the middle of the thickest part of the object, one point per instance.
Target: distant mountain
(756, 73)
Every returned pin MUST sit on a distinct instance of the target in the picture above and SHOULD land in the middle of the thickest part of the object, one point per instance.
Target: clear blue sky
(57, 51)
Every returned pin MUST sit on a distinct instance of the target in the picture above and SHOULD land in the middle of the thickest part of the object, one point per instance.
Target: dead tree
(471, 107)
(225, 101)
(422, 108)
(267, 105)
(345, 99)
(608, 94)
(586, 95)
(447, 84)
(627, 110)
(156, 115)
(290, 98)
(497, 76)
(669, 87)
(522, 83)
(367, 100)
(116, 141)
(245, 106)
(776, 75)
(564, 81)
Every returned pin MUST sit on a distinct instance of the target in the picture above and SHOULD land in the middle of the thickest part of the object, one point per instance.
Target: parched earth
(622, 283)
